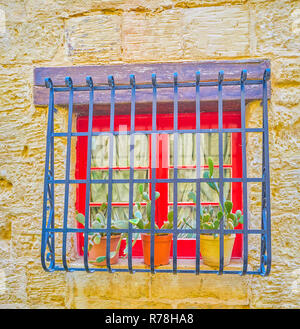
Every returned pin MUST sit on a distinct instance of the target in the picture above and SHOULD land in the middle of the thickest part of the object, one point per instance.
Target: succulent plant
(100, 222)
(211, 221)
(141, 223)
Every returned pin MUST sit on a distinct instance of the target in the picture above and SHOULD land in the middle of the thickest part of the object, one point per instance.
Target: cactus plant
(210, 246)
(100, 222)
(141, 223)
(162, 240)
(208, 220)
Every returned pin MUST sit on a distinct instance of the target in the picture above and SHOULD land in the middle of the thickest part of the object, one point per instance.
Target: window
(164, 168)
(173, 139)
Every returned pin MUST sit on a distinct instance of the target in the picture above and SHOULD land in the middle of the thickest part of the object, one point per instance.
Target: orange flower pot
(99, 250)
(162, 248)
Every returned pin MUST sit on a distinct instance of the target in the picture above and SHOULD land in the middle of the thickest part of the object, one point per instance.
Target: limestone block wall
(60, 33)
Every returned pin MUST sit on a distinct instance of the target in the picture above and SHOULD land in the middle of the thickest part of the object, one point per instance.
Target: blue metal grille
(48, 256)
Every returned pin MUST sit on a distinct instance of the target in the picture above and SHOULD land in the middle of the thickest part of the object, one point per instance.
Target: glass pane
(100, 150)
(209, 147)
(141, 151)
(121, 151)
(99, 191)
(120, 190)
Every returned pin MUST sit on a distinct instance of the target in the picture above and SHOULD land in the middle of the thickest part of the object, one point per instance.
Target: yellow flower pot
(210, 249)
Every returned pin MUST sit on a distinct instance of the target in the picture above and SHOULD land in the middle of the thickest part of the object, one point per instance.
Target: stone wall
(55, 33)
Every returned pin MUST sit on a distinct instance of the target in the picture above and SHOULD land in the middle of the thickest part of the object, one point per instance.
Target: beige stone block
(44, 289)
(152, 37)
(286, 70)
(116, 286)
(185, 286)
(93, 39)
(208, 32)
(31, 41)
(12, 282)
(200, 3)
(211, 303)
(98, 303)
(277, 28)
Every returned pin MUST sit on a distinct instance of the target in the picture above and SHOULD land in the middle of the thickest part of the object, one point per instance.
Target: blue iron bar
(175, 172)
(153, 172)
(51, 254)
(111, 83)
(44, 240)
(244, 168)
(137, 230)
(149, 132)
(49, 230)
(69, 84)
(158, 180)
(140, 270)
(131, 174)
(164, 85)
(89, 82)
(198, 174)
(266, 173)
(263, 241)
(220, 125)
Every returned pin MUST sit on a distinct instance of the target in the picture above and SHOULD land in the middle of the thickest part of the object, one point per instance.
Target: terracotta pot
(210, 249)
(162, 248)
(99, 250)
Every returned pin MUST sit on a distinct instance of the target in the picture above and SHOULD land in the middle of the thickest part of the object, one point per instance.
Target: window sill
(236, 264)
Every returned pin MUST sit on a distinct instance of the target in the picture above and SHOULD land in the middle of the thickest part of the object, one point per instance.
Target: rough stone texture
(93, 39)
(207, 31)
(112, 31)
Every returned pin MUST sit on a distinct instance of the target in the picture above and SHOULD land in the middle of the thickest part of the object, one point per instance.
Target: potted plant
(210, 243)
(162, 241)
(97, 241)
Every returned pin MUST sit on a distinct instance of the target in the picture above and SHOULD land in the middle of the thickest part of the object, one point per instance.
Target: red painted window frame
(209, 120)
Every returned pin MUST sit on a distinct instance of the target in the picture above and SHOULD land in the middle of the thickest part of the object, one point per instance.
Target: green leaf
(80, 218)
(228, 206)
(157, 195)
(216, 224)
(97, 239)
(96, 225)
(238, 214)
(138, 214)
(103, 207)
(141, 188)
(148, 209)
(192, 196)
(120, 224)
(100, 218)
(220, 215)
(137, 222)
(171, 216)
(145, 196)
(102, 258)
(211, 167)
(212, 185)
(185, 221)
(206, 218)
(241, 219)
(208, 226)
